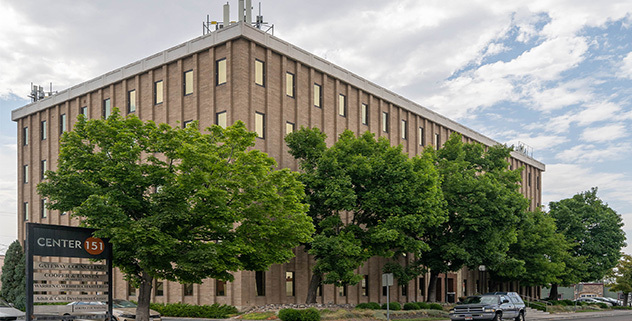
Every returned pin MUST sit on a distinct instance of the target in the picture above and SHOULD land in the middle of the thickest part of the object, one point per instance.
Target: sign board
(387, 279)
(53, 282)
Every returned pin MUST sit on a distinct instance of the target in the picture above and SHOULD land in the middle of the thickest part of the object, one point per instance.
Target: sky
(554, 75)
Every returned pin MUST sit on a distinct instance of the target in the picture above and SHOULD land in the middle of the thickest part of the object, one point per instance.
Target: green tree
(595, 230)
(622, 274)
(177, 204)
(14, 276)
(484, 206)
(366, 198)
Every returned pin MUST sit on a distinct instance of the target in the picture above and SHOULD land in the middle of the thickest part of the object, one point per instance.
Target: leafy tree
(540, 254)
(484, 206)
(177, 204)
(596, 232)
(366, 198)
(14, 276)
(623, 277)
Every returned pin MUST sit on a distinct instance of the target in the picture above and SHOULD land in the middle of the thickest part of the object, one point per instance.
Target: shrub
(395, 306)
(310, 314)
(214, 311)
(436, 306)
(423, 305)
(602, 305)
(289, 315)
(369, 305)
(411, 306)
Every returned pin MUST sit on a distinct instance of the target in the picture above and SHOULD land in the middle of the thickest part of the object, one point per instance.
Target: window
(26, 211)
(404, 289)
(364, 114)
(159, 290)
(25, 172)
(131, 101)
(43, 169)
(529, 179)
(43, 208)
(220, 288)
(188, 82)
(131, 291)
(187, 289)
(342, 105)
(342, 290)
(260, 73)
(220, 119)
(220, 71)
(404, 129)
(289, 84)
(63, 124)
(289, 128)
(43, 130)
(107, 108)
(25, 136)
(84, 111)
(384, 289)
(421, 136)
(289, 283)
(385, 122)
(537, 182)
(187, 123)
(437, 138)
(365, 285)
(318, 95)
(260, 283)
(319, 291)
(260, 125)
(158, 93)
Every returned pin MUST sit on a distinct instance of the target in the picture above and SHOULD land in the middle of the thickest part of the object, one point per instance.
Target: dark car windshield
(484, 299)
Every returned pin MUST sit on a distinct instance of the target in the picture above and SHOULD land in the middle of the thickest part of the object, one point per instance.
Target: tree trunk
(432, 287)
(144, 297)
(625, 298)
(553, 293)
(314, 283)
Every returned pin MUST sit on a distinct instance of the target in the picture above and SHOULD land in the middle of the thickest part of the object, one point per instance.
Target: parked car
(122, 310)
(9, 313)
(612, 301)
(492, 306)
(593, 300)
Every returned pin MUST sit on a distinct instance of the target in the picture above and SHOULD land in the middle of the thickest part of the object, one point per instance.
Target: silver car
(9, 313)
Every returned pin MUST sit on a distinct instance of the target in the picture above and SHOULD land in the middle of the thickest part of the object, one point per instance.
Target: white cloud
(605, 133)
(588, 153)
(625, 70)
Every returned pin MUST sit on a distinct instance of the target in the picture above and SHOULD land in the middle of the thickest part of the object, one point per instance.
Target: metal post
(388, 302)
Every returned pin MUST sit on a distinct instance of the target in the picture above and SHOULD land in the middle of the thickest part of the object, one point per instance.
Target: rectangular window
(220, 288)
(26, 211)
(220, 71)
(289, 283)
(342, 290)
(84, 111)
(529, 179)
(289, 128)
(385, 122)
(43, 130)
(318, 95)
(107, 108)
(131, 101)
(260, 125)
(187, 289)
(43, 169)
(384, 289)
(260, 282)
(188, 82)
(421, 136)
(160, 288)
(437, 139)
(187, 123)
(220, 119)
(131, 290)
(158, 92)
(404, 289)
(342, 105)
(63, 123)
(289, 84)
(25, 172)
(44, 209)
(25, 136)
(404, 129)
(364, 114)
(537, 182)
(260, 73)
(319, 291)
(365, 285)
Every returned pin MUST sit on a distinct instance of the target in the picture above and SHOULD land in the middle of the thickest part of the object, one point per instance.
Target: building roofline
(238, 30)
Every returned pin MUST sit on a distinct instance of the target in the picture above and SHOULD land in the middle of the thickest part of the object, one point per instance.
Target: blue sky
(555, 75)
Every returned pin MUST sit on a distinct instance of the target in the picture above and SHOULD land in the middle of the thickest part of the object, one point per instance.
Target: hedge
(436, 306)
(310, 314)
(214, 311)
(395, 306)
(369, 306)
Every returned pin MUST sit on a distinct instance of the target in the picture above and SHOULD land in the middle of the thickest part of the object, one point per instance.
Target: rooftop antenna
(244, 14)
(38, 93)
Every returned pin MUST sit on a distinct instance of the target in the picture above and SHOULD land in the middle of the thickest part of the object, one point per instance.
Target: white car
(122, 310)
(593, 301)
(8, 312)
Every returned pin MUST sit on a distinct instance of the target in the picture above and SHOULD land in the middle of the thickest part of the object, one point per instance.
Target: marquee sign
(53, 282)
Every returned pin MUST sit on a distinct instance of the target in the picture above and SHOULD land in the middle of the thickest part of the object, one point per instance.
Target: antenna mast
(244, 14)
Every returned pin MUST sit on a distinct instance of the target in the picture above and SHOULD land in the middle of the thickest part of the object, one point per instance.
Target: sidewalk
(578, 315)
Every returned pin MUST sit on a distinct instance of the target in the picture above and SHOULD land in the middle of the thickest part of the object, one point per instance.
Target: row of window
(63, 126)
(43, 210)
